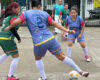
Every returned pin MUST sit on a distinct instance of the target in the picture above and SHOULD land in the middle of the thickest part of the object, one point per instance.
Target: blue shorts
(52, 45)
(73, 36)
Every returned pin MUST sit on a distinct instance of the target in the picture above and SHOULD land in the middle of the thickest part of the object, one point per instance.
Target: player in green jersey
(7, 38)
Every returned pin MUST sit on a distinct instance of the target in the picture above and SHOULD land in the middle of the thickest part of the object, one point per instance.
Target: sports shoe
(87, 58)
(12, 78)
(85, 74)
(65, 36)
(42, 79)
(56, 33)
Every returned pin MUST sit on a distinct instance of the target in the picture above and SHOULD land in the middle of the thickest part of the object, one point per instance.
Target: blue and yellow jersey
(37, 24)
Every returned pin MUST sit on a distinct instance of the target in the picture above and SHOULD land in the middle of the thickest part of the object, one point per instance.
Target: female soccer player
(76, 23)
(7, 38)
(43, 39)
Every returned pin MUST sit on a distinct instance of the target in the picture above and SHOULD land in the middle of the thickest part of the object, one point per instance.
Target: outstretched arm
(83, 28)
(14, 24)
(53, 23)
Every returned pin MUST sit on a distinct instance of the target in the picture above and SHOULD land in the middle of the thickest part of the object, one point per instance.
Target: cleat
(12, 78)
(85, 74)
(87, 59)
(42, 79)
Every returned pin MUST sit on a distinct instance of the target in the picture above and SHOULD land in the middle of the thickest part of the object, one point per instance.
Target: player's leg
(71, 39)
(83, 45)
(39, 52)
(57, 51)
(13, 67)
(4, 56)
(69, 48)
(40, 67)
(57, 20)
(71, 63)
(10, 48)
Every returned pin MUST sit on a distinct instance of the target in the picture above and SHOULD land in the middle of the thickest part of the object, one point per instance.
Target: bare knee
(83, 45)
(70, 43)
(60, 56)
(15, 55)
(38, 58)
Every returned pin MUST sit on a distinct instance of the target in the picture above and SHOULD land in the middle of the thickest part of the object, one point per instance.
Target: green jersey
(65, 14)
(6, 22)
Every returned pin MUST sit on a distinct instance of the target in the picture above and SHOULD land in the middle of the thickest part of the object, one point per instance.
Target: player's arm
(83, 28)
(15, 33)
(15, 22)
(66, 26)
(60, 16)
(55, 24)
(53, 13)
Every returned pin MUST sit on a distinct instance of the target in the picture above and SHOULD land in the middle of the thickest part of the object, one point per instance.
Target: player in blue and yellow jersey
(7, 38)
(43, 39)
(76, 23)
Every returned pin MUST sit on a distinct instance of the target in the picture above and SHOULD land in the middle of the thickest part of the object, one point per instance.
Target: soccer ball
(73, 75)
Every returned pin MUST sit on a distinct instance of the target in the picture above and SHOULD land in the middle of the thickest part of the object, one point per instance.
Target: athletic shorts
(9, 47)
(73, 36)
(52, 45)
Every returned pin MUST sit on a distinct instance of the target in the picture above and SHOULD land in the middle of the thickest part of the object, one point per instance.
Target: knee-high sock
(40, 67)
(2, 58)
(71, 63)
(85, 51)
(69, 49)
(13, 66)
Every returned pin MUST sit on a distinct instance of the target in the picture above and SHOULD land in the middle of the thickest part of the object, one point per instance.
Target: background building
(88, 9)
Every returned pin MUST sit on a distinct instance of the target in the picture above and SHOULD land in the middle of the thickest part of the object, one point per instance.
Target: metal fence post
(0, 8)
(44, 5)
(83, 8)
(5, 4)
(27, 4)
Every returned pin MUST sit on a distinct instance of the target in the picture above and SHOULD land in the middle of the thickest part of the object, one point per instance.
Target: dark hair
(36, 3)
(74, 8)
(9, 11)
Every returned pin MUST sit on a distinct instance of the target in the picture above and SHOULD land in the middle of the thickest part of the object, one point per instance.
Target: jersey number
(40, 22)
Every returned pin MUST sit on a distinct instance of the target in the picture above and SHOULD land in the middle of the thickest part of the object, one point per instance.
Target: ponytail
(9, 11)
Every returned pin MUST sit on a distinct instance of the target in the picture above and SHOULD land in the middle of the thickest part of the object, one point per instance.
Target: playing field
(54, 68)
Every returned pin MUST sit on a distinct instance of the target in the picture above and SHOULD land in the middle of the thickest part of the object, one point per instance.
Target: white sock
(40, 67)
(69, 49)
(85, 51)
(71, 63)
(13, 66)
(2, 58)
(66, 34)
